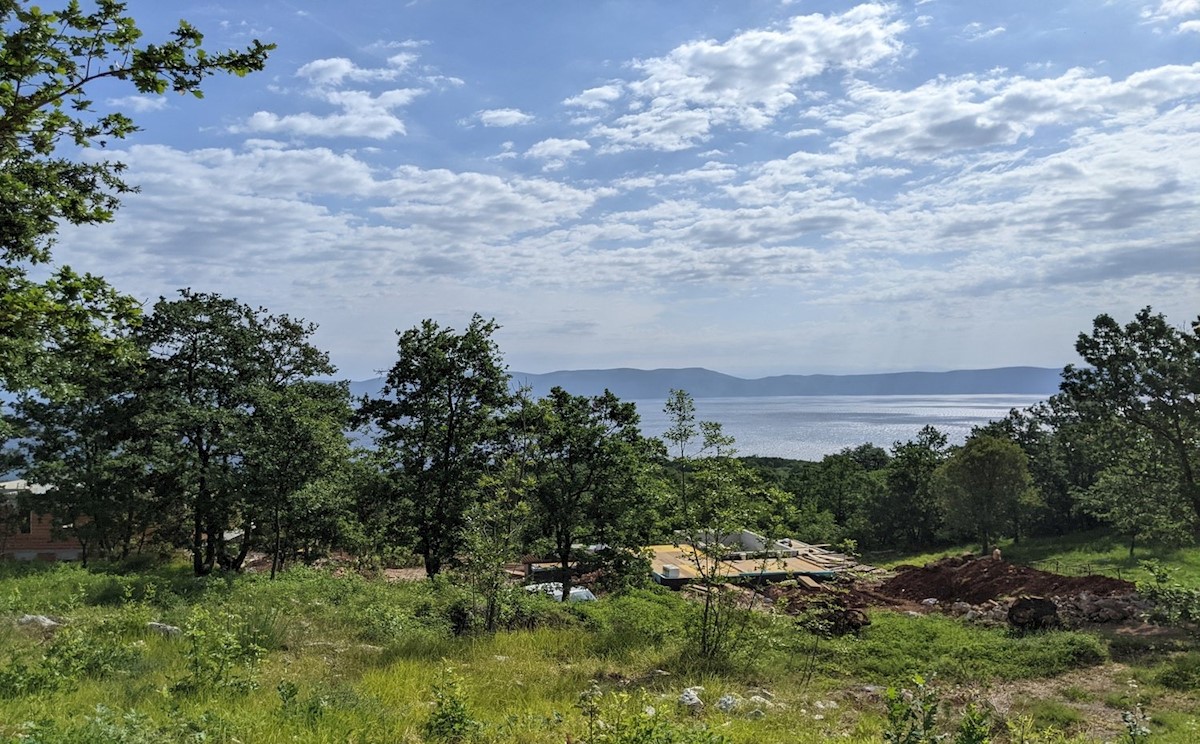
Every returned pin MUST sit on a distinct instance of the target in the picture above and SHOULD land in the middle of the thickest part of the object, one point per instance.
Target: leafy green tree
(584, 456)
(981, 485)
(712, 501)
(1138, 495)
(1145, 374)
(85, 449)
(435, 423)
(294, 443)
(905, 511)
(48, 63)
(212, 362)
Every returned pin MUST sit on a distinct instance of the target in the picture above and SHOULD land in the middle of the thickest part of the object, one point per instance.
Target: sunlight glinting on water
(810, 427)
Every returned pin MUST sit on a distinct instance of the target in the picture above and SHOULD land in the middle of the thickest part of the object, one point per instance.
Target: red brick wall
(39, 543)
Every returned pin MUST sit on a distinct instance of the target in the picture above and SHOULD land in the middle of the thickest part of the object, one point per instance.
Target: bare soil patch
(976, 580)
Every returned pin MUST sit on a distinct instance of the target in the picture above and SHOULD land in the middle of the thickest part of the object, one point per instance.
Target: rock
(690, 698)
(164, 629)
(1029, 613)
(971, 616)
(912, 613)
(761, 701)
(929, 602)
(39, 621)
(729, 702)
(756, 714)
(960, 608)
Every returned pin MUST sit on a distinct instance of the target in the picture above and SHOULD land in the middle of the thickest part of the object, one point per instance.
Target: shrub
(1181, 673)
(450, 721)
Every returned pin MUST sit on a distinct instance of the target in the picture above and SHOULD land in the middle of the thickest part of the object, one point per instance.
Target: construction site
(804, 579)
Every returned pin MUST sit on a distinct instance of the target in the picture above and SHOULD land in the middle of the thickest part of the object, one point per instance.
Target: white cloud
(358, 113)
(361, 115)
(139, 104)
(949, 114)
(1175, 8)
(976, 32)
(505, 117)
(596, 98)
(744, 81)
(1189, 26)
(337, 70)
(556, 152)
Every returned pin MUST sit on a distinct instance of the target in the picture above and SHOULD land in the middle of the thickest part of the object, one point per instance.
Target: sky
(754, 187)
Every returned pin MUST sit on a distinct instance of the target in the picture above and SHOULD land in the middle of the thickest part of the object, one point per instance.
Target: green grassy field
(315, 657)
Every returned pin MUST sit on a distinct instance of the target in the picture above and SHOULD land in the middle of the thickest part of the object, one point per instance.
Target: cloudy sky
(755, 187)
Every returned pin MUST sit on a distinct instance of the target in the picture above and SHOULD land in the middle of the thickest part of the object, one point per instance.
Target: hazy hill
(703, 383)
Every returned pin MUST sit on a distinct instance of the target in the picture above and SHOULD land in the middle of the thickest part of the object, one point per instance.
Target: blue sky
(754, 187)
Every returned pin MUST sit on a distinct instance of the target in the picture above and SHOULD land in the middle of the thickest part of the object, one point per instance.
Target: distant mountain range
(641, 384)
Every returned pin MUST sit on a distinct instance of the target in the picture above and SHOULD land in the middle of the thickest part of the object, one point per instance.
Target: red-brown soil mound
(975, 580)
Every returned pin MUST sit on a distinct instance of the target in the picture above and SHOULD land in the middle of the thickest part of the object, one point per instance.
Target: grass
(315, 657)
(1094, 551)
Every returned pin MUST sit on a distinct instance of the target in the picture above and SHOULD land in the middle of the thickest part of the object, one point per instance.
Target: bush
(1181, 673)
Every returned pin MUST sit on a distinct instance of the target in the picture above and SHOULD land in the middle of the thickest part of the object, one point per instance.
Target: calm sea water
(810, 427)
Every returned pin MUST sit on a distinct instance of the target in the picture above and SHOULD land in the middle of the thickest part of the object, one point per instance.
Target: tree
(48, 63)
(212, 363)
(89, 452)
(980, 486)
(584, 463)
(1145, 375)
(906, 511)
(712, 502)
(436, 423)
(295, 439)
(1138, 495)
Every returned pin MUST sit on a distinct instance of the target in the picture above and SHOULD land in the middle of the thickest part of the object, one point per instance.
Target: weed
(450, 721)
(975, 726)
(1181, 672)
(218, 656)
(912, 714)
(1052, 714)
(1136, 728)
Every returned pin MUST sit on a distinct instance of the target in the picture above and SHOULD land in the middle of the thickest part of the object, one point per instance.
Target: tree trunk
(275, 552)
(199, 565)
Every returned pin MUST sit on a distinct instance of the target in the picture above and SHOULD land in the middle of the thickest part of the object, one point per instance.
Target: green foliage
(1173, 602)
(585, 456)
(982, 486)
(220, 655)
(975, 726)
(1181, 672)
(49, 62)
(450, 720)
(434, 422)
(1144, 375)
(620, 718)
(912, 714)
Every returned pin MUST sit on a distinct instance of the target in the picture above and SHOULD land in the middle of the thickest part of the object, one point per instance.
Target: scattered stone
(39, 621)
(690, 698)
(756, 714)
(499, 657)
(167, 630)
(761, 701)
(1029, 613)
(929, 601)
(729, 702)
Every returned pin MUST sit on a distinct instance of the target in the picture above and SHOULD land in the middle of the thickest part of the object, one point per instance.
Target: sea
(810, 427)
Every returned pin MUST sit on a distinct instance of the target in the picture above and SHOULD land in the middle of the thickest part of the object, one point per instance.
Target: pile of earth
(796, 598)
(976, 580)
